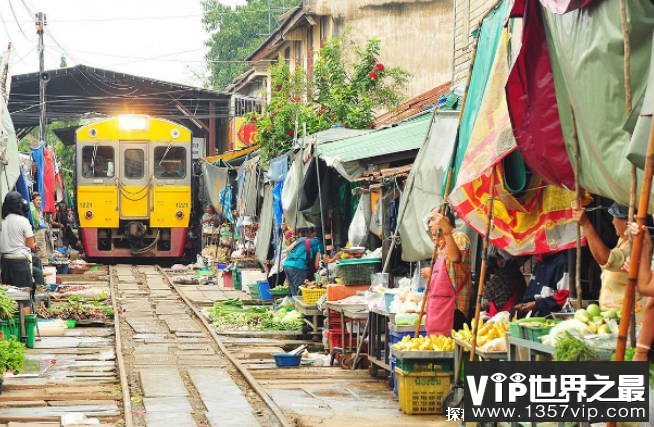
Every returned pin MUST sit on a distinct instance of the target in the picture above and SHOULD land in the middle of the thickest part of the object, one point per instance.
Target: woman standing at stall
(448, 301)
(302, 260)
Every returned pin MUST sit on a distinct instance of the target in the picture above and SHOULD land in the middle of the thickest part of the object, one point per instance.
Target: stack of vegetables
(232, 314)
(428, 343)
(95, 311)
(12, 352)
(590, 335)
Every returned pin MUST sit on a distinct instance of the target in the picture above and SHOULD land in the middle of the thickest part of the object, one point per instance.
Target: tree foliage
(236, 33)
(344, 91)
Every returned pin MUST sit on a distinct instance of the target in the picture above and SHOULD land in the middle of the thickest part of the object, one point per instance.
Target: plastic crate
(357, 271)
(421, 392)
(422, 365)
(312, 295)
(264, 290)
(6, 327)
(334, 340)
(534, 333)
(253, 290)
(518, 331)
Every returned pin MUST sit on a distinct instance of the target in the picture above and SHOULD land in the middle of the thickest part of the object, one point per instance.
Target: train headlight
(133, 122)
(179, 214)
(88, 214)
(174, 134)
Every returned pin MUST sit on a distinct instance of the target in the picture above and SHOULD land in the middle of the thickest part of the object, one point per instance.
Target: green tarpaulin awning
(344, 155)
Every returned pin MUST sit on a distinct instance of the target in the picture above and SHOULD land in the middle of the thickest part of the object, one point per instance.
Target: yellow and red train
(133, 176)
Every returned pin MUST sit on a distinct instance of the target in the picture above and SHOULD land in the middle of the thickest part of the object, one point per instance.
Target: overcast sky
(162, 39)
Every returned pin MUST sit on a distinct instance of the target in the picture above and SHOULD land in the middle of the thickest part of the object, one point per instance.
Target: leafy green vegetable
(569, 348)
(12, 356)
(76, 310)
(232, 314)
(7, 305)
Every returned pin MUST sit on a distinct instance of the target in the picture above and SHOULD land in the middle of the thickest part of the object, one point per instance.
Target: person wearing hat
(614, 278)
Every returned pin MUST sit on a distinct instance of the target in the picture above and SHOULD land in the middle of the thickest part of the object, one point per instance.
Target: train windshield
(98, 161)
(170, 162)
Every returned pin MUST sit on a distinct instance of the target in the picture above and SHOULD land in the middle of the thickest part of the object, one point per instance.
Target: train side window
(134, 163)
(98, 161)
(170, 162)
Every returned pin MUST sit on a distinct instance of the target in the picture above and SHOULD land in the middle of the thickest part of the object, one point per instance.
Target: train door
(135, 181)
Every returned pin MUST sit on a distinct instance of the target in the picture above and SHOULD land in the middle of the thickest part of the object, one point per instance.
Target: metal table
(534, 348)
(23, 299)
(379, 340)
(349, 314)
(309, 311)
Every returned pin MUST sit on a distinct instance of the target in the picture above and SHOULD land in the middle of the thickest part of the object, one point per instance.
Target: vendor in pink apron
(449, 287)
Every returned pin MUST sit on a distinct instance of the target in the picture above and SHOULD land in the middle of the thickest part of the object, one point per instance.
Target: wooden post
(578, 291)
(630, 217)
(484, 266)
(636, 248)
(425, 295)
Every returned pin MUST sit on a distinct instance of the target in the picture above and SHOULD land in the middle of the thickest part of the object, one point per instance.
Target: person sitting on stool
(19, 266)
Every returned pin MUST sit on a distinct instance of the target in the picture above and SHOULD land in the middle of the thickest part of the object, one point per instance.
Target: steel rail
(124, 384)
(281, 417)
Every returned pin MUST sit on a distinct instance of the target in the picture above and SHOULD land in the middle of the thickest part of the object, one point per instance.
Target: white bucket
(50, 275)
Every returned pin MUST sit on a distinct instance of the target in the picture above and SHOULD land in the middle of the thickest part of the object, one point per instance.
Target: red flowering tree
(341, 92)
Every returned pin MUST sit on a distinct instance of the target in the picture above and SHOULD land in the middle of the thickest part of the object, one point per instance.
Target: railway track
(177, 368)
(161, 363)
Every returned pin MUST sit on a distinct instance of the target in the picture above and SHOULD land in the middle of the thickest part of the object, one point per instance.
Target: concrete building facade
(417, 35)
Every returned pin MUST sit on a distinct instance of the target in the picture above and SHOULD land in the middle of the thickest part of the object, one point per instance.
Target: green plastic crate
(253, 290)
(357, 271)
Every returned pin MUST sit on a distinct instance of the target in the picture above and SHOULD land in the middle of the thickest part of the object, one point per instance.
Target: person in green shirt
(37, 212)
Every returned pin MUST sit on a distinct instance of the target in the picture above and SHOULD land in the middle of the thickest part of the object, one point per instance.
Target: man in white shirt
(16, 242)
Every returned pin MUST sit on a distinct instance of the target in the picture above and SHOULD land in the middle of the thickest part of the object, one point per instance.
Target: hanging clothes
(22, 188)
(37, 157)
(48, 181)
(225, 198)
(60, 191)
(278, 168)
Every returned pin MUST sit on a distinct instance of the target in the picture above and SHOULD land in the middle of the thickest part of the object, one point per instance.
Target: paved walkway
(176, 375)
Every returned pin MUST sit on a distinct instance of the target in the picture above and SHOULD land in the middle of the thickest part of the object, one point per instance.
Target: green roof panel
(405, 136)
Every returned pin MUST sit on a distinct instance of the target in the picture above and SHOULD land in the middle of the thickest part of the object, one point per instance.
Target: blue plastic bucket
(264, 290)
(285, 359)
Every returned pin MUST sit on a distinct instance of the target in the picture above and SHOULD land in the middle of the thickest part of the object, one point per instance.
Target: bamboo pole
(425, 295)
(632, 206)
(578, 292)
(484, 266)
(643, 205)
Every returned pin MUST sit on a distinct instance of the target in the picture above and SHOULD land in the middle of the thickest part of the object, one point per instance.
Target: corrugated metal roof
(405, 136)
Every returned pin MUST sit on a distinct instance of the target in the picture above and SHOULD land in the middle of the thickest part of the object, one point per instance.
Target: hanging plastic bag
(377, 217)
(358, 232)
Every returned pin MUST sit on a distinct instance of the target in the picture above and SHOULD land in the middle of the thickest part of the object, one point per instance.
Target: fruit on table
(429, 343)
(487, 332)
(593, 310)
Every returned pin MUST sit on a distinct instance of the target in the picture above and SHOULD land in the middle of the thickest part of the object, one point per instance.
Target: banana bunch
(487, 332)
(429, 343)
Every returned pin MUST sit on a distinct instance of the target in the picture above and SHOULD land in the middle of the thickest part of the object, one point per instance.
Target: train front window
(98, 161)
(134, 163)
(170, 162)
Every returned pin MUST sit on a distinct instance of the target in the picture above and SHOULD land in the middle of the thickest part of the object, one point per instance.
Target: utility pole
(41, 22)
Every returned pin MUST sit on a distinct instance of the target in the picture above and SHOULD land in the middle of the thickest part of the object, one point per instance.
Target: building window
(287, 55)
(298, 52)
(324, 22)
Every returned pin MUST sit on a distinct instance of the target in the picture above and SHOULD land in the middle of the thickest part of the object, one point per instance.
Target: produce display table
(379, 341)
(533, 347)
(349, 315)
(310, 315)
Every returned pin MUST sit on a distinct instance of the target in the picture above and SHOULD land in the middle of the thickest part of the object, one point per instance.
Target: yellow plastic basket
(421, 392)
(311, 296)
